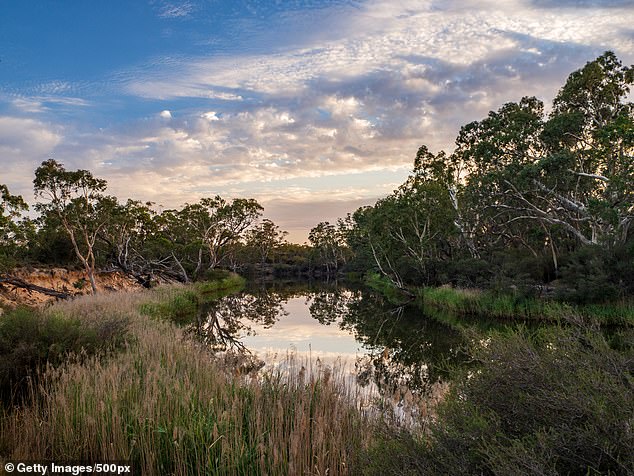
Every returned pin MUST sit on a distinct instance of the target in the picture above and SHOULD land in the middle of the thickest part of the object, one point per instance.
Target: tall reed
(164, 404)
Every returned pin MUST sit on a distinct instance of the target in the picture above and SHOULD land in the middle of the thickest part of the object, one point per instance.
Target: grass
(508, 306)
(152, 397)
(504, 306)
(182, 307)
(167, 406)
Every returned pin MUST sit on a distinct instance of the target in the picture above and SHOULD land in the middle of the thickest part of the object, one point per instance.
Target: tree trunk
(18, 283)
(91, 278)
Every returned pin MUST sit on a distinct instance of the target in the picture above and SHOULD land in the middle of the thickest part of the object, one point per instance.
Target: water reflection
(395, 349)
(221, 324)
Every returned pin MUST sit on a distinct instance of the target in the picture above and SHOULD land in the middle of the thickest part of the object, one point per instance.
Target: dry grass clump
(165, 405)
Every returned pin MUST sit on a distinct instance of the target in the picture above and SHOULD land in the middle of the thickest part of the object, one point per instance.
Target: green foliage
(560, 406)
(32, 340)
(264, 239)
(329, 248)
(181, 308)
(585, 277)
(555, 401)
(13, 228)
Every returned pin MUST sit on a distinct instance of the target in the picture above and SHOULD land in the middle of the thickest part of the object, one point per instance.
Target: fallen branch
(19, 283)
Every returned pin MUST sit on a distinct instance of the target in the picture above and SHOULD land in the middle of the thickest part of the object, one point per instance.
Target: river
(387, 350)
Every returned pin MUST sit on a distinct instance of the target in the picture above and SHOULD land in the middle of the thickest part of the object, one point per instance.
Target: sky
(313, 107)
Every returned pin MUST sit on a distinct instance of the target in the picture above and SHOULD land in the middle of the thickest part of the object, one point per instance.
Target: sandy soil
(70, 281)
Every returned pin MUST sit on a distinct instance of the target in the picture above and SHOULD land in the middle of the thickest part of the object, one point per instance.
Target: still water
(393, 350)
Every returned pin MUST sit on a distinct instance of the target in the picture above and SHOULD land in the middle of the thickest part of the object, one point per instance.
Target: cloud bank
(349, 93)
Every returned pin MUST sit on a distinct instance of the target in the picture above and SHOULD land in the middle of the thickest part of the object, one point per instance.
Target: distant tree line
(79, 223)
(526, 198)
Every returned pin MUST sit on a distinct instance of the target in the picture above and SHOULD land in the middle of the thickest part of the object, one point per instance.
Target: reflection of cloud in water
(299, 331)
(386, 354)
(274, 354)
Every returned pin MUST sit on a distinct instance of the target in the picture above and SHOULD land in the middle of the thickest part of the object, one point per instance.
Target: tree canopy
(518, 183)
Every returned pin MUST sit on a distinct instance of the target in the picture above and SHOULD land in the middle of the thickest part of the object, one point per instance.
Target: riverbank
(478, 303)
(20, 286)
(150, 396)
(539, 399)
(457, 304)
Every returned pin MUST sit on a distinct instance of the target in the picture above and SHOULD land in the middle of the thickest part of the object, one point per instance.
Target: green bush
(30, 340)
(586, 277)
(556, 401)
(548, 402)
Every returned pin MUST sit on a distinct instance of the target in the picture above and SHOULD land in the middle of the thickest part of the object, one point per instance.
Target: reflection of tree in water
(331, 305)
(221, 323)
(406, 350)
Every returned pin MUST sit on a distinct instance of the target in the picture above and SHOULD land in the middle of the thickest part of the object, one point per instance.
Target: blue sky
(312, 107)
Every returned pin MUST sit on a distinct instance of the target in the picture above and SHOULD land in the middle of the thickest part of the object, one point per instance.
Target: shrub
(585, 277)
(557, 401)
(30, 340)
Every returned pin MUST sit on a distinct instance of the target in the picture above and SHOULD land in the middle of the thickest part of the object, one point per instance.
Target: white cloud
(24, 144)
(384, 34)
(176, 10)
(360, 97)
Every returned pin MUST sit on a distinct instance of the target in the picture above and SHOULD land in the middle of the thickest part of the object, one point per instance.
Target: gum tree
(12, 229)
(76, 199)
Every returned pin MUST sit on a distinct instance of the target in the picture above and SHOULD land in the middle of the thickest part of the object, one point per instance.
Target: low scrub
(31, 340)
(556, 401)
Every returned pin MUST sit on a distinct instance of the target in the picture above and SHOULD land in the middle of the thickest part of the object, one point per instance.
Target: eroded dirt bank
(73, 282)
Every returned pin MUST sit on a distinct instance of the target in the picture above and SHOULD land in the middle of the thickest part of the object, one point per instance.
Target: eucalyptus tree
(329, 245)
(407, 230)
(571, 174)
(13, 227)
(219, 224)
(265, 237)
(76, 198)
(129, 237)
(203, 234)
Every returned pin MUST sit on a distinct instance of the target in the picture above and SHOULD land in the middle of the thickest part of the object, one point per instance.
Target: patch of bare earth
(72, 282)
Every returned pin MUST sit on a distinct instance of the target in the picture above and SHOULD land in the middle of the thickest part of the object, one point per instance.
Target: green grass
(509, 307)
(181, 306)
